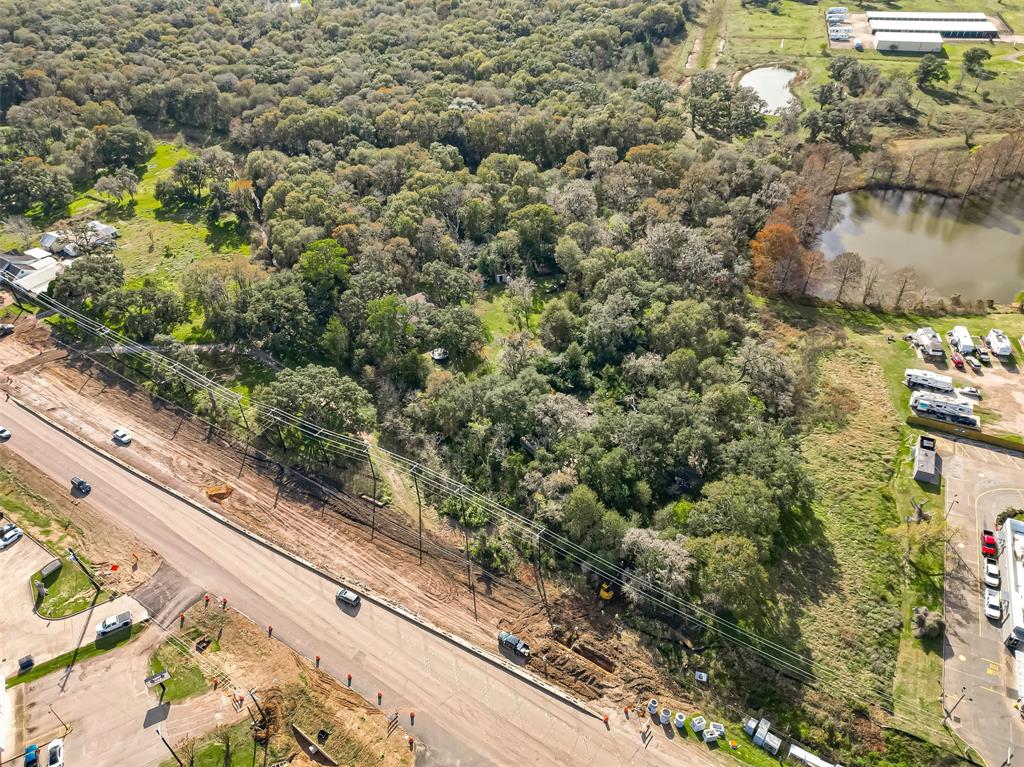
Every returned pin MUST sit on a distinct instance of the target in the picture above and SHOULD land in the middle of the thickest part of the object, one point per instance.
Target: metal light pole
(180, 763)
(951, 504)
(963, 694)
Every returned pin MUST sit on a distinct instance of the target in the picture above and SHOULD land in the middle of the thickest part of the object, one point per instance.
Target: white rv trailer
(961, 340)
(927, 379)
(999, 343)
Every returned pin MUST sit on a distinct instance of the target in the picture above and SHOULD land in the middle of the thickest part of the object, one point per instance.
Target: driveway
(979, 678)
(113, 717)
(24, 632)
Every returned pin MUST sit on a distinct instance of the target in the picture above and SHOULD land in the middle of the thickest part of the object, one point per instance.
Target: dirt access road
(468, 710)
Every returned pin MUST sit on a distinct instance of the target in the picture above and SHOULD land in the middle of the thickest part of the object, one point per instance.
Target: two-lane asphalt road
(468, 711)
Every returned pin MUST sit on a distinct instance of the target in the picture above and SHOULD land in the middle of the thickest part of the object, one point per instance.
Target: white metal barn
(909, 42)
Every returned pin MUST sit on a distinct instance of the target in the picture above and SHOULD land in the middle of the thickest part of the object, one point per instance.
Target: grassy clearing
(793, 34)
(75, 657)
(225, 747)
(494, 312)
(158, 243)
(69, 591)
(186, 677)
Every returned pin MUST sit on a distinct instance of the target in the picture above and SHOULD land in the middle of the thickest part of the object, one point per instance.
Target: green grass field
(793, 34)
(157, 243)
(186, 677)
(226, 747)
(69, 591)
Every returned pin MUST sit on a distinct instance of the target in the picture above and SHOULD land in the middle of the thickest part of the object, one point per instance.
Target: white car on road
(10, 537)
(991, 574)
(122, 437)
(993, 605)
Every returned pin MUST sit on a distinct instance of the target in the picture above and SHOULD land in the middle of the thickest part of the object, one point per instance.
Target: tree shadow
(225, 235)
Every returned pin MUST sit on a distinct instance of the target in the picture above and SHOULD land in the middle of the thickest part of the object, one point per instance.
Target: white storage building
(952, 25)
(909, 42)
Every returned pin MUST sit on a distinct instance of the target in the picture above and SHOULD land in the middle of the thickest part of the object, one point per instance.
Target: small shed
(927, 462)
(104, 232)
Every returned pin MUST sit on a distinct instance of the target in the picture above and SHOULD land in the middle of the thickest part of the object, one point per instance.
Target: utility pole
(963, 694)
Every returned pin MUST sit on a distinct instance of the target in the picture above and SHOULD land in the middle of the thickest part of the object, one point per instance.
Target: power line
(804, 669)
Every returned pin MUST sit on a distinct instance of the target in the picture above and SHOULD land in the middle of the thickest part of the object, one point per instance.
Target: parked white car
(680, 720)
(991, 574)
(993, 606)
(55, 753)
(652, 706)
(122, 437)
(113, 623)
(5, 434)
(10, 537)
(666, 716)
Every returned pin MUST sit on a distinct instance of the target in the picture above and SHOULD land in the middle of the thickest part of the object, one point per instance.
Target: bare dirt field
(575, 645)
(292, 693)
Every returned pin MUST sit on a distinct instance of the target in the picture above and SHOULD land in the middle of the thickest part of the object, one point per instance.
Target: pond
(771, 84)
(974, 249)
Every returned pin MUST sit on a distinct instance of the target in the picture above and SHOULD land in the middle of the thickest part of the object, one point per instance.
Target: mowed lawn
(155, 242)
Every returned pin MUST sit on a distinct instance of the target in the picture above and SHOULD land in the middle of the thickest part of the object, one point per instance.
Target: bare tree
(846, 269)
(872, 275)
(186, 749)
(904, 280)
(19, 227)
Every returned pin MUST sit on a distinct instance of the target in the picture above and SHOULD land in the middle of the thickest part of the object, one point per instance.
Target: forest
(394, 165)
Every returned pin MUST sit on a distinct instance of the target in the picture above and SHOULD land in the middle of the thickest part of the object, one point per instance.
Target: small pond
(771, 84)
(975, 249)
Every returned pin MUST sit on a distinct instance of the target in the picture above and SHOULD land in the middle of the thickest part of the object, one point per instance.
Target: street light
(180, 763)
(963, 694)
(951, 504)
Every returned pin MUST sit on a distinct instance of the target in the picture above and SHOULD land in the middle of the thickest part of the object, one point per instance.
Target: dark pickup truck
(514, 643)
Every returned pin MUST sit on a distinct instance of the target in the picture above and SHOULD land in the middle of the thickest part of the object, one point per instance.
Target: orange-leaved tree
(777, 258)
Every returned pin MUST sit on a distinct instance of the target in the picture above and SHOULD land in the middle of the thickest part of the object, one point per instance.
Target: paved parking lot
(114, 718)
(979, 677)
(24, 632)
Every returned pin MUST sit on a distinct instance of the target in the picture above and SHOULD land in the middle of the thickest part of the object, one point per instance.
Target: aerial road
(468, 711)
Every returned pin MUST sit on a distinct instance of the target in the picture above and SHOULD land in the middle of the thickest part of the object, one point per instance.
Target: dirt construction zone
(577, 644)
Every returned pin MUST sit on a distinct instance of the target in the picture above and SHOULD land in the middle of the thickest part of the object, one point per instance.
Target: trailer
(961, 340)
(929, 342)
(927, 379)
(927, 403)
(999, 343)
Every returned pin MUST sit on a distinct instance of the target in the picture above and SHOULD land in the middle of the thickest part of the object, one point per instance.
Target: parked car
(991, 574)
(79, 484)
(55, 753)
(973, 364)
(971, 391)
(993, 606)
(347, 596)
(988, 544)
(515, 644)
(6, 330)
(958, 360)
(680, 720)
(666, 716)
(981, 351)
(5, 434)
(113, 623)
(122, 437)
(32, 756)
(10, 538)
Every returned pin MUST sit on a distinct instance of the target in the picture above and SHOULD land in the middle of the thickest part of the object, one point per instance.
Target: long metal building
(950, 25)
